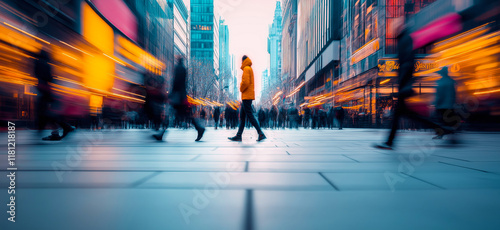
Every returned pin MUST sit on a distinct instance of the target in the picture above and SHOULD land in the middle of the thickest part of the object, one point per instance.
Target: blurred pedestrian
(445, 102)
(203, 115)
(330, 116)
(340, 115)
(216, 116)
(178, 98)
(155, 103)
(274, 117)
(307, 117)
(48, 108)
(406, 56)
(262, 117)
(247, 95)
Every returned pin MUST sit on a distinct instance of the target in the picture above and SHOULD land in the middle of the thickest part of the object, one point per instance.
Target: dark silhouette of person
(155, 101)
(445, 102)
(178, 98)
(216, 116)
(262, 117)
(340, 115)
(46, 103)
(406, 56)
(274, 117)
(247, 89)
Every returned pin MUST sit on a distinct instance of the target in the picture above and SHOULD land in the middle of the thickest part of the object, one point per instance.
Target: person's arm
(245, 80)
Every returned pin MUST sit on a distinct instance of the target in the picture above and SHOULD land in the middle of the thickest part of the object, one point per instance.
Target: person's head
(179, 59)
(443, 71)
(244, 58)
(44, 54)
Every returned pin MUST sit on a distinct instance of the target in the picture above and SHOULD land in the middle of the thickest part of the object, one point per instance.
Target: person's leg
(247, 104)
(441, 128)
(395, 121)
(242, 120)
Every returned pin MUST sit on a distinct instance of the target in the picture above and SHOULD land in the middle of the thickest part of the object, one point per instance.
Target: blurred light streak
(385, 81)
(67, 55)
(277, 95)
(116, 60)
(487, 92)
(75, 48)
(130, 93)
(297, 89)
(24, 32)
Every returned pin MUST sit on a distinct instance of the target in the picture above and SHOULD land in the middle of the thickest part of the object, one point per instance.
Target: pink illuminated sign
(118, 13)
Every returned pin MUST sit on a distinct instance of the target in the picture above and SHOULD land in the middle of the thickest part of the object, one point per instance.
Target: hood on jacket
(443, 72)
(246, 62)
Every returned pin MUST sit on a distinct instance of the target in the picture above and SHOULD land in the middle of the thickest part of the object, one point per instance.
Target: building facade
(369, 42)
(318, 52)
(265, 86)
(289, 45)
(274, 50)
(225, 62)
(204, 49)
(181, 28)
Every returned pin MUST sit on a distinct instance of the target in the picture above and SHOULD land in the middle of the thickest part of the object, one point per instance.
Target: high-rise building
(289, 47)
(181, 28)
(234, 70)
(265, 85)
(274, 49)
(225, 62)
(318, 49)
(204, 49)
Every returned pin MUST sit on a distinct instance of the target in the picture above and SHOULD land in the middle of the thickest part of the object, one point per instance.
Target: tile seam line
(328, 181)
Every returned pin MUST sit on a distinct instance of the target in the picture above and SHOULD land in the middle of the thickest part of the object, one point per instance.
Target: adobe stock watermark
(218, 180)
(76, 154)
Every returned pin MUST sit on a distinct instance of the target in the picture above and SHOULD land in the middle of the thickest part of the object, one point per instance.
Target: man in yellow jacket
(247, 89)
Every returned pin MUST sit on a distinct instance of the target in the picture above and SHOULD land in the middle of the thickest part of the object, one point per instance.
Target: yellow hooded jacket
(247, 87)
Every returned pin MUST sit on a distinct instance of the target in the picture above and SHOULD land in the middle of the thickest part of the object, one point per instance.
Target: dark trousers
(402, 110)
(341, 122)
(449, 118)
(45, 116)
(184, 113)
(246, 112)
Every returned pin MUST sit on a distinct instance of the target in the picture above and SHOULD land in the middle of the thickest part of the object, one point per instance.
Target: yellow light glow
(99, 69)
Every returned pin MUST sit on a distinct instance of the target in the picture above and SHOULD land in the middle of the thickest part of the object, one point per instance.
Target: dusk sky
(248, 23)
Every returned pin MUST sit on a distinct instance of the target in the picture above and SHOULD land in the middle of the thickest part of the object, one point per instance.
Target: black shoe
(200, 134)
(261, 137)
(438, 137)
(53, 137)
(158, 137)
(66, 131)
(235, 138)
(383, 146)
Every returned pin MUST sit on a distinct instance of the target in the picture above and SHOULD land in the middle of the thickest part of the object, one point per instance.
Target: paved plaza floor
(296, 179)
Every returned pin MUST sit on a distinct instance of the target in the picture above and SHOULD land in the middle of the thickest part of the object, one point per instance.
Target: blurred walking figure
(406, 56)
(274, 117)
(178, 98)
(340, 115)
(307, 117)
(262, 117)
(46, 103)
(203, 115)
(216, 116)
(155, 101)
(445, 102)
(330, 117)
(247, 90)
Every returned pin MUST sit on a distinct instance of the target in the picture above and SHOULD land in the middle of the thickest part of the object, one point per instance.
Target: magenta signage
(118, 13)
